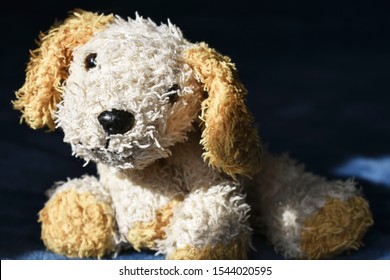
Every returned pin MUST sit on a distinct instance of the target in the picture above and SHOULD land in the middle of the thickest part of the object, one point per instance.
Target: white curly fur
(137, 63)
(160, 158)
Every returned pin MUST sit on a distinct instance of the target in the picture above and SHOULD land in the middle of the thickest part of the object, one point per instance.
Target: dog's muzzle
(116, 121)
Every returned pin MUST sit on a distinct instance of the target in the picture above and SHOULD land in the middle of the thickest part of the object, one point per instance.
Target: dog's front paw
(337, 227)
(77, 225)
(236, 250)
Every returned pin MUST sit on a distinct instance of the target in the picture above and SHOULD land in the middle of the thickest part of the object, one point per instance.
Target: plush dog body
(166, 122)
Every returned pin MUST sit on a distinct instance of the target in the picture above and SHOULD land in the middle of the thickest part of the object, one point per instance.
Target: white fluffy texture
(133, 202)
(159, 159)
(284, 195)
(85, 184)
(137, 63)
(213, 209)
(208, 216)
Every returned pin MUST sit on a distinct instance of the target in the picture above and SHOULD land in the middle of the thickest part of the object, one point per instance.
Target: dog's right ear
(49, 64)
(230, 141)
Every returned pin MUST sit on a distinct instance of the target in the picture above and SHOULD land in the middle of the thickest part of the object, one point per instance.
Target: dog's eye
(90, 61)
(172, 93)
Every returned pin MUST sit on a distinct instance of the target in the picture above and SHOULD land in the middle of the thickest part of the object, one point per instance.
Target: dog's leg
(78, 220)
(306, 216)
(210, 223)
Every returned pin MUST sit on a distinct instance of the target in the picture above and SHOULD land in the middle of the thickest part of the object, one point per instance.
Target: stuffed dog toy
(181, 169)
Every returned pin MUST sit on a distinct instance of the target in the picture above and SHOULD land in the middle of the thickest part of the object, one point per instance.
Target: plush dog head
(125, 91)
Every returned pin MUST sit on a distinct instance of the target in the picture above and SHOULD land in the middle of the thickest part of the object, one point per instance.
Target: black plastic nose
(116, 121)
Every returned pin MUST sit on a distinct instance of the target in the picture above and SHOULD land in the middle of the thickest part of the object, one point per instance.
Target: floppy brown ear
(230, 141)
(48, 67)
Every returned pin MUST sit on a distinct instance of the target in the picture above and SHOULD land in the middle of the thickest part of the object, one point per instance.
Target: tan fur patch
(49, 64)
(144, 235)
(77, 225)
(236, 250)
(337, 227)
(231, 142)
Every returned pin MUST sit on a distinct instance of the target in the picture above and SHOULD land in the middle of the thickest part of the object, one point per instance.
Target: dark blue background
(317, 73)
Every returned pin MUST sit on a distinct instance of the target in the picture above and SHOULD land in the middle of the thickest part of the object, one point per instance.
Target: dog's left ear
(230, 141)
